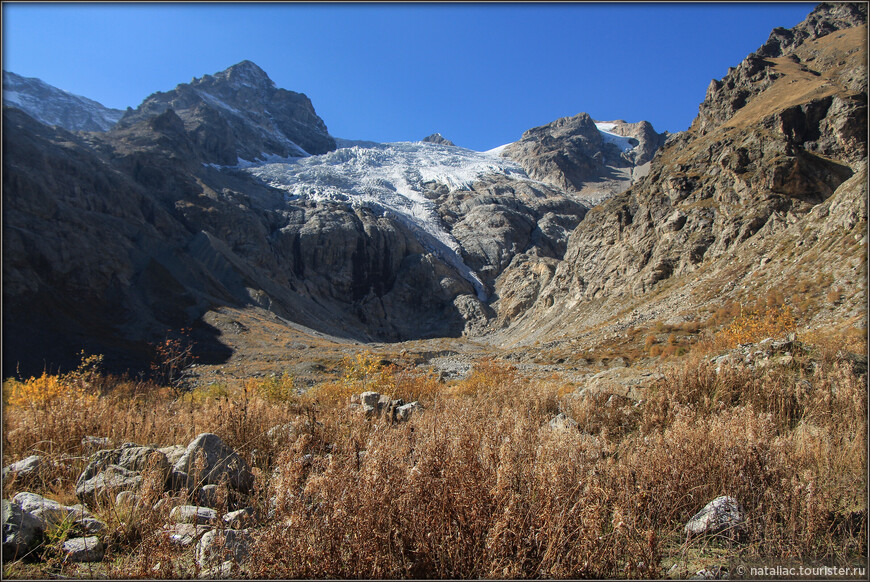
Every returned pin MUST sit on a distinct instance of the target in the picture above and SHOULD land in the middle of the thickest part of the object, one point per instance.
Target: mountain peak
(439, 139)
(245, 73)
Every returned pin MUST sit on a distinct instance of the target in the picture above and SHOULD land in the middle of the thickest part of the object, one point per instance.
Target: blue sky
(480, 74)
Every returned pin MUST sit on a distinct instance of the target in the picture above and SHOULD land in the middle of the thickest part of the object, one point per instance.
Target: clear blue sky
(480, 74)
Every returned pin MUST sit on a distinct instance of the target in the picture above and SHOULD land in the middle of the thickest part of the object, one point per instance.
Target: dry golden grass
(477, 485)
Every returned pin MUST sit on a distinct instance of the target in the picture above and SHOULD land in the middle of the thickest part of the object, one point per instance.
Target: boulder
(127, 499)
(88, 549)
(221, 462)
(207, 495)
(370, 398)
(193, 514)
(723, 515)
(404, 412)
(218, 546)
(109, 481)
(173, 453)
(185, 534)
(22, 531)
(114, 470)
(95, 443)
(27, 468)
(49, 512)
(240, 518)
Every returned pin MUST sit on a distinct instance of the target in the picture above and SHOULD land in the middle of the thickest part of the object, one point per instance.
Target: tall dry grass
(478, 485)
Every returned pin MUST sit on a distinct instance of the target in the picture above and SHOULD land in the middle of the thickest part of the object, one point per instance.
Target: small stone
(221, 572)
(89, 549)
(185, 534)
(404, 412)
(207, 495)
(280, 432)
(92, 525)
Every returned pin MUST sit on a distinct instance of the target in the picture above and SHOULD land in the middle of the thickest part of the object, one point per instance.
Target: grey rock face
(22, 531)
(752, 76)
(54, 106)
(220, 462)
(750, 167)
(723, 515)
(257, 119)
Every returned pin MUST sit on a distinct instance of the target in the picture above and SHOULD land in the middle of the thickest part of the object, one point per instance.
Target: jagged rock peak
(826, 18)
(759, 70)
(239, 113)
(439, 139)
(591, 159)
(245, 73)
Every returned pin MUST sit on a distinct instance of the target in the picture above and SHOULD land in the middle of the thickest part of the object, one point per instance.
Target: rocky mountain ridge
(205, 197)
(592, 160)
(776, 156)
(54, 106)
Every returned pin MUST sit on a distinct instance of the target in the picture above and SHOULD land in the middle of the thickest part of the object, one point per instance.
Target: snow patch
(624, 144)
(496, 151)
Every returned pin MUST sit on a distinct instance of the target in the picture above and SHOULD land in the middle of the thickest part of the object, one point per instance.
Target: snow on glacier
(391, 176)
(623, 143)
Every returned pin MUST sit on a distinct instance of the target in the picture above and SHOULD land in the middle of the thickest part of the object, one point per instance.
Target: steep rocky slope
(776, 157)
(53, 106)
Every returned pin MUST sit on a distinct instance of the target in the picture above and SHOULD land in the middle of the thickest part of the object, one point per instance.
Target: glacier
(392, 177)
